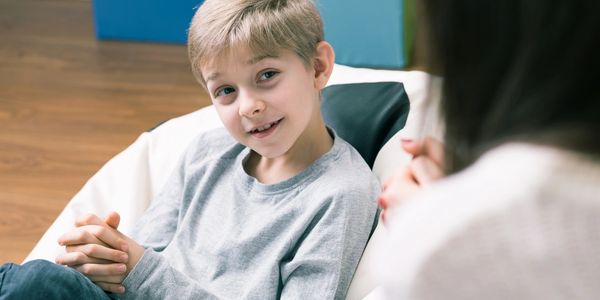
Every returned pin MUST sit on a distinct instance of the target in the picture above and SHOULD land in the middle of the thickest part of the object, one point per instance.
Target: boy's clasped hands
(99, 251)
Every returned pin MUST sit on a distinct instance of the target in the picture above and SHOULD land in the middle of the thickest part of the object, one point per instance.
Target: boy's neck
(305, 151)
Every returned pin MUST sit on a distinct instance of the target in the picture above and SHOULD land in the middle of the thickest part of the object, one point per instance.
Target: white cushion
(129, 181)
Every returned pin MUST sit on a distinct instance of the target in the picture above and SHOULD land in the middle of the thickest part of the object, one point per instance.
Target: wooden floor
(68, 103)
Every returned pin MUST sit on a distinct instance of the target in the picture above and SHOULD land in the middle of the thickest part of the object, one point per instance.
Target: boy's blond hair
(264, 26)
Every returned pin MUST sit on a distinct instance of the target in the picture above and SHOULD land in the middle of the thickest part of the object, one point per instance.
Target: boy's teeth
(264, 127)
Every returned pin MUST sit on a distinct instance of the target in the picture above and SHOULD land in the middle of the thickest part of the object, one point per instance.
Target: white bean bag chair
(129, 181)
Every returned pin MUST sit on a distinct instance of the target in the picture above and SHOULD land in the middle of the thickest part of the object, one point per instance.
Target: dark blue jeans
(40, 279)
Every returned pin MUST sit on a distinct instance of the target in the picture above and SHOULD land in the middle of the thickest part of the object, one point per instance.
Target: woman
(518, 214)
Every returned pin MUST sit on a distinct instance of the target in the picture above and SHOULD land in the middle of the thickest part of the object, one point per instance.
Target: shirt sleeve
(325, 258)
(158, 224)
(154, 278)
(156, 227)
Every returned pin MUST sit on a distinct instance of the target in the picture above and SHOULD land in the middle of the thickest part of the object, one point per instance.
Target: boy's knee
(38, 279)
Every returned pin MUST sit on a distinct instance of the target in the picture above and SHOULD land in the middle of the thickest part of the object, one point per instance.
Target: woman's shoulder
(506, 184)
(517, 208)
(514, 174)
(520, 170)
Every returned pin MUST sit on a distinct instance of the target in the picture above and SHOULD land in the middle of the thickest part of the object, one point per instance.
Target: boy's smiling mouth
(264, 130)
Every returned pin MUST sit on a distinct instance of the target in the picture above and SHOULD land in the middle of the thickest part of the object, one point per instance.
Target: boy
(275, 206)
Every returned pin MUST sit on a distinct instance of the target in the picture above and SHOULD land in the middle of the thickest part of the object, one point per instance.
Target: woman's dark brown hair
(516, 70)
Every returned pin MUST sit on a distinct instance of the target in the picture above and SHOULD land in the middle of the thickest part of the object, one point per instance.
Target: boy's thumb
(113, 219)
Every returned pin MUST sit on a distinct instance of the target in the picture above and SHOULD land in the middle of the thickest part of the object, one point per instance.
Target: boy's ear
(323, 64)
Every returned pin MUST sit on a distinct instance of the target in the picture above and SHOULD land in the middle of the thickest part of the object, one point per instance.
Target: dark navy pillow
(366, 115)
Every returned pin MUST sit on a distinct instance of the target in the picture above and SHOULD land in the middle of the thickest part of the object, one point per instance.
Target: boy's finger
(78, 236)
(113, 219)
(111, 287)
(78, 258)
(108, 235)
(88, 219)
(100, 252)
(112, 273)
(117, 279)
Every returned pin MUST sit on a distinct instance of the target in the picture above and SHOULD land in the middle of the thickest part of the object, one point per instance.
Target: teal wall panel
(366, 33)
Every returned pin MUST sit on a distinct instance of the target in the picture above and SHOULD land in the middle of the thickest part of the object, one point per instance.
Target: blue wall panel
(365, 33)
(144, 20)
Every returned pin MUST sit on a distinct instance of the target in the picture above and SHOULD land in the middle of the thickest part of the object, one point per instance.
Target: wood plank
(68, 103)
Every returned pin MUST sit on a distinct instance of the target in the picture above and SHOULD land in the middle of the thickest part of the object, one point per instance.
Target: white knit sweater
(521, 223)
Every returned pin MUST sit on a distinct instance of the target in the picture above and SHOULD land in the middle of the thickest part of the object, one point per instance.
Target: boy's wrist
(135, 253)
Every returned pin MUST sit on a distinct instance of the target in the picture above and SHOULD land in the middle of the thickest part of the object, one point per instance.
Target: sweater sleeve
(158, 224)
(325, 258)
(154, 278)
(155, 231)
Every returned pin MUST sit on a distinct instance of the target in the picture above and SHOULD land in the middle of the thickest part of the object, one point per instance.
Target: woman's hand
(426, 167)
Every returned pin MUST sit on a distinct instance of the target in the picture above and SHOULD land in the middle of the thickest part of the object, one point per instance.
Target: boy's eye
(224, 91)
(267, 75)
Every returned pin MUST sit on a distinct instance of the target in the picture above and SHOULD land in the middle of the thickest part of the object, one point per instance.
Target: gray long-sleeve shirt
(216, 232)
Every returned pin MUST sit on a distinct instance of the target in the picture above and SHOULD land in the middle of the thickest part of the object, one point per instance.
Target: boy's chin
(264, 153)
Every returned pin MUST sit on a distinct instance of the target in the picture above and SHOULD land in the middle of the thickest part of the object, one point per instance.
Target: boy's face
(266, 103)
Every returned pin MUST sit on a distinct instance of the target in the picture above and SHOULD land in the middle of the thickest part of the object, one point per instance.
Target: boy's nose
(251, 106)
